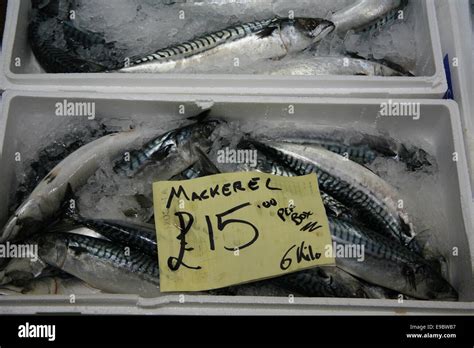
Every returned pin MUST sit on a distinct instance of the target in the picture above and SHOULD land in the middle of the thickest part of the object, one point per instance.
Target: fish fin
(422, 238)
(409, 275)
(63, 225)
(267, 31)
(68, 210)
(414, 158)
(205, 162)
(162, 153)
(383, 61)
(201, 116)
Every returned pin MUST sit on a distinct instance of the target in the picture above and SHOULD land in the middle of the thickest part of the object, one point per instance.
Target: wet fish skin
(102, 264)
(267, 164)
(205, 43)
(359, 288)
(82, 37)
(179, 142)
(387, 263)
(267, 39)
(315, 66)
(378, 292)
(138, 236)
(72, 172)
(50, 155)
(380, 62)
(322, 282)
(360, 153)
(59, 45)
(363, 148)
(202, 167)
(365, 14)
(21, 271)
(332, 206)
(349, 183)
(55, 59)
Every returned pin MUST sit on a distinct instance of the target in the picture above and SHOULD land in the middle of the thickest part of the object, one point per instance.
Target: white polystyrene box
(454, 28)
(430, 81)
(28, 117)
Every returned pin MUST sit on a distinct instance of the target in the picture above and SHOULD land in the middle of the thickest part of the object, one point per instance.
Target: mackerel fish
(387, 263)
(322, 282)
(102, 264)
(267, 164)
(71, 173)
(315, 66)
(365, 15)
(138, 236)
(361, 147)
(267, 39)
(350, 183)
(178, 145)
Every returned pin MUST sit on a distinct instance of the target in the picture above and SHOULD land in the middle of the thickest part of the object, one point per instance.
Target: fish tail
(201, 116)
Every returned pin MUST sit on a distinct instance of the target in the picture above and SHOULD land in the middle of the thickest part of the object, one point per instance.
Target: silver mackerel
(267, 39)
(350, 183)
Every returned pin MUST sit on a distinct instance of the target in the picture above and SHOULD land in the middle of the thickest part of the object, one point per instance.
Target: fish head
(26, 221)
(201, 133)
(176, 140)
(300, 33)
(206, 128)
(52, 248)
(429, 284)
(315, 28)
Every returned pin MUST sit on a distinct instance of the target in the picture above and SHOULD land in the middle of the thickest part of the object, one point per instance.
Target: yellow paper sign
(233, 228)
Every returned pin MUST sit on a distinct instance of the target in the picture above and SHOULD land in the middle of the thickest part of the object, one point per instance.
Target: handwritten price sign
(233, 228)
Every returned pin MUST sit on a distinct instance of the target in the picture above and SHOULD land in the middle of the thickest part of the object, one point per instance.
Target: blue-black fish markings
(207, 41)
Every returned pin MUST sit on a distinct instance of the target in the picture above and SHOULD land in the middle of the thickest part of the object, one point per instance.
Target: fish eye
(209, 127)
